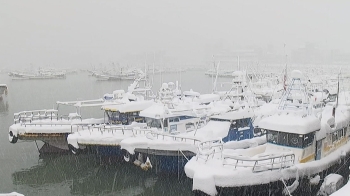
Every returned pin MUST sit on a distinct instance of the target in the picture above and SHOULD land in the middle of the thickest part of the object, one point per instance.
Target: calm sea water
(24, 171)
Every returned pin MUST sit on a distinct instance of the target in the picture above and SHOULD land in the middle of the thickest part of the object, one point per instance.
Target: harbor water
(24, 170)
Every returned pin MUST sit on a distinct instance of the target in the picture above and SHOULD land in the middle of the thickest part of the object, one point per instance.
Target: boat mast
(338, 89)
(238, 63)
(285, 71)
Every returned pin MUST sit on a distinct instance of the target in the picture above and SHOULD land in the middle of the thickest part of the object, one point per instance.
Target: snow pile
(345, 190)
(205, 182)
(245, 143)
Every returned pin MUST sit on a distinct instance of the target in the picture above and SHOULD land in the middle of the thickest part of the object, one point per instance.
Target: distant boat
(40, 74)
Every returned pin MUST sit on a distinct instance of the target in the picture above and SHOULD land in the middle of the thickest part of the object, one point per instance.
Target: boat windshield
(113, 117)
(151, 122)
(290, 139)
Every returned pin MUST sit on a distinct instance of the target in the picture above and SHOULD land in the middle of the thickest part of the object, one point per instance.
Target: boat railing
(114, 128)
(154, 134)
(261, 163)
(209, 148)
(27, 117)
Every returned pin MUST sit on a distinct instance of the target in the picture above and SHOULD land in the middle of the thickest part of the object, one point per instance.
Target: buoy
(13, 139)
(127, 156)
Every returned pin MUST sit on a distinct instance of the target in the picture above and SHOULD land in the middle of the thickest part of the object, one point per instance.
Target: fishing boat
(302, 149)
(49, 125)
(52, 127)
(39, 74)
(123, 121)
(104, 139)
(175, 130)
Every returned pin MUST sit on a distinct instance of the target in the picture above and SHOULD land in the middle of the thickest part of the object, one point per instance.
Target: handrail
(174, 137)
(262, 163)
(209, 148)
(29, 116)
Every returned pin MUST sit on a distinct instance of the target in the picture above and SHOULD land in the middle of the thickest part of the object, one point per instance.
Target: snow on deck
(216, 174)
(103, 135)
(185, 141)
(51, 126)
(345, 190)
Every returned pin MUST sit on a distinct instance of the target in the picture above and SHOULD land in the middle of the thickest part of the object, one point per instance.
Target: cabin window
(240, 123)
(290, 139)
(151, 122)
(283, 138)
(165, 123)
(272, 136)
(334, 137)
(345, 130)
(308, 139)
(174, 119)
(113, 117)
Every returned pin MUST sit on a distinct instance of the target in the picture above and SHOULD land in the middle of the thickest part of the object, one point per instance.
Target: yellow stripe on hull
(308, 158)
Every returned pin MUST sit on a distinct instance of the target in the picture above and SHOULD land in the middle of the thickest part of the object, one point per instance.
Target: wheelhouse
(126, 113)
(293, 140)
(241, 126)
(174, 124)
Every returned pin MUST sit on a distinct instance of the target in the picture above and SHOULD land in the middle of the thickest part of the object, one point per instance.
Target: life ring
(127, 156)
(74, 150)
(13, 139)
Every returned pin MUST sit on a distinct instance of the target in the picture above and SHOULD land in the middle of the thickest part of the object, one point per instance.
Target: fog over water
(85, 32)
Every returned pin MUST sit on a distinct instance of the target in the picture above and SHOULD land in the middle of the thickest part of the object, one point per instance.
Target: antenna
(216, 77)
(238, 62)
(212, 75)
(338, 88)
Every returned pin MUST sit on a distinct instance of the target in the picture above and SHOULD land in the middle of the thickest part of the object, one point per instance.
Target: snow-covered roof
(206, 98)
(343, 191)
(129, 107)
(83, 103)
(158, 111)
(291, 123)
(233, 115)
(191, 93)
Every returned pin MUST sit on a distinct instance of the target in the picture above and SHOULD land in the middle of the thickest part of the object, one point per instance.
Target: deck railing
(209, 148)
(261, 163)
(26, 117)
(114, 128)
(153, 134)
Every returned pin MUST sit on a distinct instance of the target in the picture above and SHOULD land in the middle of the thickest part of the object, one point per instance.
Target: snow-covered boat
(49, 125)
(104, 139)
(40, 74)
(175, 130)
(301, 150)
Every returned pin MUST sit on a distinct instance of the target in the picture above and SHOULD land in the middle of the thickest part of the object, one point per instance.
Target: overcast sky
(82, 32)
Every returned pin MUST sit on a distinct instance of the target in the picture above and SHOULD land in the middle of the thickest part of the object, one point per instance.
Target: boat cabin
(241, 126)
(172, 121)
(126, 113)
